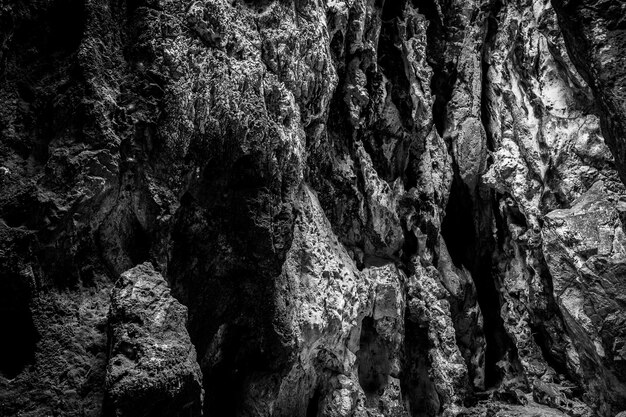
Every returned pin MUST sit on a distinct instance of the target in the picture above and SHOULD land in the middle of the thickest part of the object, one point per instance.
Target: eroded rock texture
(312, 208)
(152, 367)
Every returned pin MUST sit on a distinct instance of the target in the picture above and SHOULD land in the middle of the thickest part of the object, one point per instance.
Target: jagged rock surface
(152, 367)
(367, 207)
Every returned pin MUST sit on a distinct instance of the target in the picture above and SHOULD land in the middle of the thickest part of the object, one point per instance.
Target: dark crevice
(442, 85)
(544, 340)
(469, 336)
(467, 231)
(409, 249)
(417, 387)
(236, 356)
(373, 362)
(436, 32)
(547, 323)
(337, 45)
(393, 9)
(391, 61)
(312, 408)
(444, 73)
(139, 244)
(227, 279)
(224, 382)
(339, 130)
(40, 69)
(389, 76)
(470, 216)
(56, 33)
(16, 326)
(39, 46)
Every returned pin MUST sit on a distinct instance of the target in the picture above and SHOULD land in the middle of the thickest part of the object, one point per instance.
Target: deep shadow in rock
(373, 361)
(417, 386)
(470, 241)
(314, 404)
(228, 249)
(391, 61)
(39, 65)
(18, 333)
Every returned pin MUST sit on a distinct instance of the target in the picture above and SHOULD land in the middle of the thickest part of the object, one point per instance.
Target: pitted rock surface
(152, 362)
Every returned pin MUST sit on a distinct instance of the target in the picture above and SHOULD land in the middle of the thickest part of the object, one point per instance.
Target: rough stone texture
(152, 367)
(584, 248)
(367, 207)
(594, 33)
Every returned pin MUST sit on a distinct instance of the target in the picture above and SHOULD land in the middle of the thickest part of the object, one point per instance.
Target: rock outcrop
(317, 208)
(152, 367)
(594, 34)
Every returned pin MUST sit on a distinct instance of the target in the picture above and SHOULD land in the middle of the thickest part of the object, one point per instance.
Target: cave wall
(340, 208)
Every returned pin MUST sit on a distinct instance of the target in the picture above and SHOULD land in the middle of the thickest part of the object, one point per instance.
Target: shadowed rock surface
(317, 208)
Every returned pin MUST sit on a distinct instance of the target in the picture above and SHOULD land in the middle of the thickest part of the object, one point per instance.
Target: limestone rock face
(584, 248)
(318, 208)
(594, 34)
(152, 367)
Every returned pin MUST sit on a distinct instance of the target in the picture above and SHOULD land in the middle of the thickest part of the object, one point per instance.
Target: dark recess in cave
(390, 75)
(444, 74)
(391, 62)
(19, 336)
(544, 340)
(466, 229)
(62, 27)
(547, 325)
(442, 84)
(223, 383)
(417, 387)
(228, 291)
(373, 361)
(392, 9)
(240, 357)
(312, 408)
(139, 244)
(53, 34)
(35, 63)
